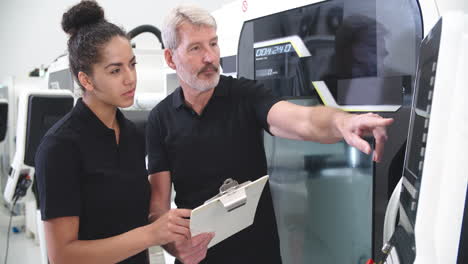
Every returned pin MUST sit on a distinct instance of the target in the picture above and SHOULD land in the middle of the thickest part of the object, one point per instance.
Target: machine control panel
(420, 119)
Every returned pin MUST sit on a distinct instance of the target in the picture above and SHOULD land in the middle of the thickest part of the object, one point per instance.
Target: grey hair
(179, 15)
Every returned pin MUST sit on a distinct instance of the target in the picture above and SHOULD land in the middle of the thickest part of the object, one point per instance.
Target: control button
(413, 206)
(424, 138)
(434, 66)
(432, 81)
(429, 95)
(422, 151)
(420, 166)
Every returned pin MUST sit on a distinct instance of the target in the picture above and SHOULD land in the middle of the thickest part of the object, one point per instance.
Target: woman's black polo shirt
(225, 141)
(82, 171)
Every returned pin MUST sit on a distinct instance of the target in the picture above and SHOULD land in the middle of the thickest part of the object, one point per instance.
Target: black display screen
(43, 112)
(273, 50)
(274, 61)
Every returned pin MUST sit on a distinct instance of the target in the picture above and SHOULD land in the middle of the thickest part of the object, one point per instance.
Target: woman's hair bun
(85, 13)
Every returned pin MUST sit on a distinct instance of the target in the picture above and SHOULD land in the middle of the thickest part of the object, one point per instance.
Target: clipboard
(229, 212)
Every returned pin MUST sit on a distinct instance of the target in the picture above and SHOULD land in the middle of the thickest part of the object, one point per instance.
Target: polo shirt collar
(178, 99)
(93, 123)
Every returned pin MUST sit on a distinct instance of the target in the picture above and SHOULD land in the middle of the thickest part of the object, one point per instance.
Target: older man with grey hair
(210, 129)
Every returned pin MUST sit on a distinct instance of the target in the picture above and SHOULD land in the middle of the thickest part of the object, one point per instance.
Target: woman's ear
(85, 81)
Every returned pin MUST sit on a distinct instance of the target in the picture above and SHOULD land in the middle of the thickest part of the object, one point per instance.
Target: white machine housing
(19, 169)
(440, 206)
(18, 166)
(11, 89)
(443, 187)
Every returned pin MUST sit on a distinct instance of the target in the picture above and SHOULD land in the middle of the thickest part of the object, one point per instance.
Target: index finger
(376, 122)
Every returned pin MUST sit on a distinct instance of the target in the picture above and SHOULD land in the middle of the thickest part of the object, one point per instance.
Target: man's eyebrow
(198, 42)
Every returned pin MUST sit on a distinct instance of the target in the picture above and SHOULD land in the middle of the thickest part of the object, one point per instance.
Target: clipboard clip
(231, 194)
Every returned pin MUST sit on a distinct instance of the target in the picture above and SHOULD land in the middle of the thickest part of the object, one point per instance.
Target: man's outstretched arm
(328, 125)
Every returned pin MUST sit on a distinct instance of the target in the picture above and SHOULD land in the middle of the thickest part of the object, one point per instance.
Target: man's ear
(169, 56)
(85, 81)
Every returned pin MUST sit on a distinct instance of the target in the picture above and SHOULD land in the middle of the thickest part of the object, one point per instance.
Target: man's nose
(209, 56)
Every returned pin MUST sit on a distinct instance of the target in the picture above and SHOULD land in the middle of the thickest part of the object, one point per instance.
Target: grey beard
(203, 86)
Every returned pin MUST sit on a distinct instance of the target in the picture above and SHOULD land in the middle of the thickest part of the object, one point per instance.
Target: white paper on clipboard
(229, 212)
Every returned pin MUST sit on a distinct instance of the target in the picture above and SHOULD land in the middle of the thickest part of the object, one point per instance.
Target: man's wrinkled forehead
(186, 27)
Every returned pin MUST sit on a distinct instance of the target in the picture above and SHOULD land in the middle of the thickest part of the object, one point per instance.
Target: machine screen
(272, 61)
(273, 50)
(43, 113)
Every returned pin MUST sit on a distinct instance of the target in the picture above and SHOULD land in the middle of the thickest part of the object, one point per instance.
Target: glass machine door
(330, 199)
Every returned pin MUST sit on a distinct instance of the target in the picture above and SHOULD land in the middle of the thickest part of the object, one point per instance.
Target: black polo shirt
(225, 141)
(82, 171)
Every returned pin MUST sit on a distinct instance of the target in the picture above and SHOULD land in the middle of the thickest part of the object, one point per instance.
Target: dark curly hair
(89, 31)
